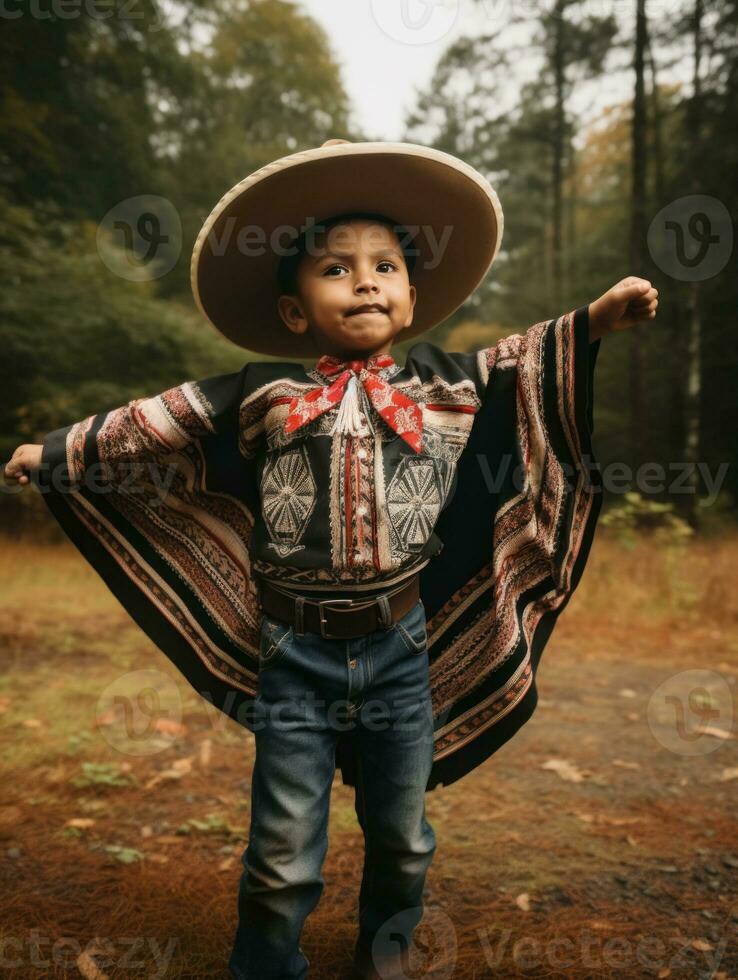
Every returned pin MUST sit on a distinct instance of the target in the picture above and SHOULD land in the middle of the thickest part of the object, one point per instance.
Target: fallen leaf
(178, 769)
(167, 726)
(32, 723)
(158, 858)
(83, 823)
(603, 818)
(106, 718)
(632, 715)
(730, 772)
(627, 692)
(226, 864)
(146, 831)
(565, 770)
(89, 968)
(206, 751)
(664, 972)
(715, 732)
(624, 764)
(523, 901)
(702, 945)
(4, 705)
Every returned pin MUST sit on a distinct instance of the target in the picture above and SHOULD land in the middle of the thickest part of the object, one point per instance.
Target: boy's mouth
(367, 308)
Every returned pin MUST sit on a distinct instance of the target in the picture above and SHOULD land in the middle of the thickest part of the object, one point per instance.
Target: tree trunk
(694, 340)
(559, 137)
(670, 301)
(638, 413)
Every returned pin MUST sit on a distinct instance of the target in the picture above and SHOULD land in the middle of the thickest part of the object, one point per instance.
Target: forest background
(119, 133)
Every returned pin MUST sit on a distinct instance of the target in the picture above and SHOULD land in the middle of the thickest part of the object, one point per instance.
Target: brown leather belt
(339, 619)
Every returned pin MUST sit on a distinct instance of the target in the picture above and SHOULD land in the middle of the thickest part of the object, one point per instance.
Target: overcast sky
(384, 55)
(388, 50)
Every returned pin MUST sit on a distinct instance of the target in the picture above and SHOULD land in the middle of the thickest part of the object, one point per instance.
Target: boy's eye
(337, 266)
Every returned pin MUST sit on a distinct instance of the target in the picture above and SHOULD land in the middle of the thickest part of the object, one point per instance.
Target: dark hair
(288, 264)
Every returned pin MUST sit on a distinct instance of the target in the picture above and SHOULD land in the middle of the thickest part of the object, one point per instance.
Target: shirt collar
(329, 365)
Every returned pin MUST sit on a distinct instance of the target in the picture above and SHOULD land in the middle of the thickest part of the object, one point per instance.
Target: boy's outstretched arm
(136, 431)
(628, 302)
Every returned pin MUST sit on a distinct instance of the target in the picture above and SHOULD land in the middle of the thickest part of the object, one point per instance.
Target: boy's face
(352, 264)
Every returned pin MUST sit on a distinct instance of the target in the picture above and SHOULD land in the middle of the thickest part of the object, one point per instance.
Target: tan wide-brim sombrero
(451, 209)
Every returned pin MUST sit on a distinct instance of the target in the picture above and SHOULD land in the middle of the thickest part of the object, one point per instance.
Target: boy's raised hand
(628, 302)
(25, 458)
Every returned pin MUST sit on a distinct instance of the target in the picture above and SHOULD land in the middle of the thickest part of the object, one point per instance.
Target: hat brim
(449, 207)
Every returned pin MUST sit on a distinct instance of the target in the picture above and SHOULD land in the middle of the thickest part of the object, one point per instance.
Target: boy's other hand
(25, 458)
(628, 302)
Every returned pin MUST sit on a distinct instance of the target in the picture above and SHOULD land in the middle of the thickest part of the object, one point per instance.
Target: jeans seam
(411, 643)
(367, 854)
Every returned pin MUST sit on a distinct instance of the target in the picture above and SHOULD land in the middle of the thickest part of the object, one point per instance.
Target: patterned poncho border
(171, 539)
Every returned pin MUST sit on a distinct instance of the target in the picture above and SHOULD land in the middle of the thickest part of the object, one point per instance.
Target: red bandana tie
(398, 411)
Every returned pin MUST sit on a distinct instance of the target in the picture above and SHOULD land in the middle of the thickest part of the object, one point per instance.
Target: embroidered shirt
(345, 512)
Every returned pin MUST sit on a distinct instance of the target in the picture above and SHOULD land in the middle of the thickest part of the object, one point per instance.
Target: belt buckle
(330, 602)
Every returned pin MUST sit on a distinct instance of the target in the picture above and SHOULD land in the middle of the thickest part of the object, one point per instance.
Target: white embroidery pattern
(288, 494)
(414, 502)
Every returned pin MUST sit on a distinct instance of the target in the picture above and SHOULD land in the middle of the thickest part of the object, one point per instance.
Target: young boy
(275, 530)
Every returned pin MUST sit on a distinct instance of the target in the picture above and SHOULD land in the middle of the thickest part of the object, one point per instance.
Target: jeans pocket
(274, 640)
(412, 629)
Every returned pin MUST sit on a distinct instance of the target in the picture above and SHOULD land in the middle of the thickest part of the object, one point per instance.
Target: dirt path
(600, 842)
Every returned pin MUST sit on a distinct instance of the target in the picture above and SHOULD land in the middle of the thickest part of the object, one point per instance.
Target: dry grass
(627, 872)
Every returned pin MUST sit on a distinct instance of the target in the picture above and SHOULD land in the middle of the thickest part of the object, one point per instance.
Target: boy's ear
(412, 292)
(292, 314)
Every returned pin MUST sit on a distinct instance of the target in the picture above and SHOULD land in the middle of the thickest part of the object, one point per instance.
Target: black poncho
(163, 498)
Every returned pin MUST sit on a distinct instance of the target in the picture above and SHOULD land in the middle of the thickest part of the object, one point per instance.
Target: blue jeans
(309, 690)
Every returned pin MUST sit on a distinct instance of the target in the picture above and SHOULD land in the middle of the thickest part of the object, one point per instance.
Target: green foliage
(78, 340)
(126, 855)
(102, 774)
(213, 824)
(636, 517)
(185, 101)
(78, 741)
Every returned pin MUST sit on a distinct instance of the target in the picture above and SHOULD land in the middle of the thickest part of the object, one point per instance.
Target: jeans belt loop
(385, 612)
(300, 614)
